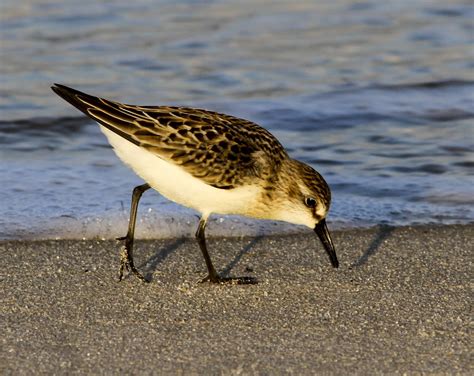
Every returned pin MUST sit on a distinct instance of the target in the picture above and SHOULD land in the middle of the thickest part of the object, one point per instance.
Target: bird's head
(307, 202)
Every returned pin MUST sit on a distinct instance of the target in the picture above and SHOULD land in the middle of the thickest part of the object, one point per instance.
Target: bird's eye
(310, 202)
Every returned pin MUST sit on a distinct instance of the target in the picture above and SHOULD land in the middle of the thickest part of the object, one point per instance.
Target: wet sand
(400, 302)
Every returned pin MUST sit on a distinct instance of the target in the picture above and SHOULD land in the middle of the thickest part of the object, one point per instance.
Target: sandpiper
(211, 162)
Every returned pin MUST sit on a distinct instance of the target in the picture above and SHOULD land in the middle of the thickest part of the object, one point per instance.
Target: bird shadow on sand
(244, 280)
(381, 235)
(149, 266)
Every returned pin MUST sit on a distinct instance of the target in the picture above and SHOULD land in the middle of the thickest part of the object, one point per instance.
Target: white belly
(179, 186)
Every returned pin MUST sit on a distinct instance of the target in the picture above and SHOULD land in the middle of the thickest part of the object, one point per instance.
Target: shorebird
(211, 162)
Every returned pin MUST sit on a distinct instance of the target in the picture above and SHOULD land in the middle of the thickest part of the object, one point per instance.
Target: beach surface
(399, 303)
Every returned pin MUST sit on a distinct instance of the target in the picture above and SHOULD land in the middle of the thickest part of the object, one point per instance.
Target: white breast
(179, 186)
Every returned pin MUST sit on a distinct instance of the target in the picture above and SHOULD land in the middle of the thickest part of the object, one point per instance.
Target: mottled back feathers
(222, 150)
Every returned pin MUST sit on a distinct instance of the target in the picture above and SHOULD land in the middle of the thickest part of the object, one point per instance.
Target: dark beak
(323, 233)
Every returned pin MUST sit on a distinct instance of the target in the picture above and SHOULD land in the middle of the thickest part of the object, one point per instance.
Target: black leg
(201, 238)
(213, 276)
(126, 253)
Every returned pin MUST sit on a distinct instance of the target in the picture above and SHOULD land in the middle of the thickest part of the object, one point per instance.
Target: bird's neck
(280, 187)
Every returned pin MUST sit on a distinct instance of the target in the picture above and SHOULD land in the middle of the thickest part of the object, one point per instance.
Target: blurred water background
(377, 96)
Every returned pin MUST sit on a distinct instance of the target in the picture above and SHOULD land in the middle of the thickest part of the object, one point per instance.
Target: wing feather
(224, 151)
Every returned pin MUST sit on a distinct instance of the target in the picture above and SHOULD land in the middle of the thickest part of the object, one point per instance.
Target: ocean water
(377, 96)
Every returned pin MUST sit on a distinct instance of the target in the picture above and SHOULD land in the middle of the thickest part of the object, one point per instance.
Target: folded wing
(222, 150)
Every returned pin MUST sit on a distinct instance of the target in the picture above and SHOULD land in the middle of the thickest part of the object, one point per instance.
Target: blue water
(377, 96)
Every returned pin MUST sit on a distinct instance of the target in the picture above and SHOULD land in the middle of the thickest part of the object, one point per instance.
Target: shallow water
(378, 98)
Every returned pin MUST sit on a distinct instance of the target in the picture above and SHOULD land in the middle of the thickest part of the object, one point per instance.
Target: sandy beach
(400, 302)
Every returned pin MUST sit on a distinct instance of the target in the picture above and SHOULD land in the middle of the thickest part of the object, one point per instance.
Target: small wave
(442, 84)
(62, 124)
(450, 114)
(430, 168)
(466, 164)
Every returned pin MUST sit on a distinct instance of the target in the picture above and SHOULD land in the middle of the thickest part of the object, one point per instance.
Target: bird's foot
(215, 278)
(126, 262)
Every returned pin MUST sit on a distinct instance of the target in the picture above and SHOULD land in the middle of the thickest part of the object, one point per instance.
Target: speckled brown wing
(222, 150)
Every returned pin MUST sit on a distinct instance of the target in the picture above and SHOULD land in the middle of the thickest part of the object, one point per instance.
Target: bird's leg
(213, 276)
(201, 238)
(126, 253)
